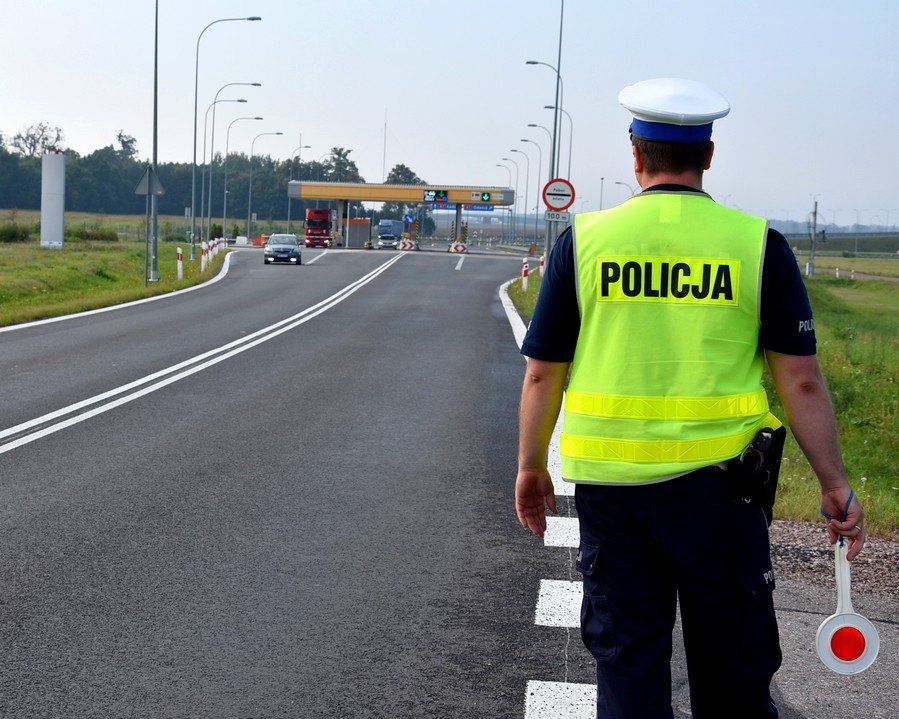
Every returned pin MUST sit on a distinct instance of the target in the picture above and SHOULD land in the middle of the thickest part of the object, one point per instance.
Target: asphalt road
(316, 525)
(320, 526)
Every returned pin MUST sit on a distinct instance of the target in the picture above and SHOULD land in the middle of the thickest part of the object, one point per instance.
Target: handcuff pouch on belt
(756, 470)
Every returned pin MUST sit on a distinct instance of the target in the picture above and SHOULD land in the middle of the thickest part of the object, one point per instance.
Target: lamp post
(560, 94)
(212, 150)
(193, 170)
(225, 164)
(509, 171)
(583, 202)
(627, 185)
(203, 227)
(602, 182)
(570, 133)
(297, 152)
(250, 190)
(527, 181)
(537, 191)
(514, 221)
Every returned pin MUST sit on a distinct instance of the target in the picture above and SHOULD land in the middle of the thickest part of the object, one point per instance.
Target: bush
(91, 233)
(848, 253)
(13, 232)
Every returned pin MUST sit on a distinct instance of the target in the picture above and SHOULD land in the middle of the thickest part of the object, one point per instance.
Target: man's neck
(688, 179)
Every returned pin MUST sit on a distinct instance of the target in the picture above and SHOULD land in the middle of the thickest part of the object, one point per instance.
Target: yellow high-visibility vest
(666, 376)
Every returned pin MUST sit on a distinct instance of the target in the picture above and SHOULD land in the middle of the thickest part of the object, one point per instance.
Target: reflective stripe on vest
(748, 404)
(666, 376)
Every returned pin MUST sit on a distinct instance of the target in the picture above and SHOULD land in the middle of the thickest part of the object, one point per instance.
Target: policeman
(660, 314)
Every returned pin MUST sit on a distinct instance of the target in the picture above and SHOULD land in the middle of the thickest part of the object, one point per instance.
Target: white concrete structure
(53, 199)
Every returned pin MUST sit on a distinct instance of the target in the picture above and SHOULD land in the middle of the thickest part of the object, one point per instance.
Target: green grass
(36, 283)
(857, 344)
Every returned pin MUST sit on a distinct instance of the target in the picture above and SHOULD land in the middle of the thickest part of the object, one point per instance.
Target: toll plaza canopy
(408, 194)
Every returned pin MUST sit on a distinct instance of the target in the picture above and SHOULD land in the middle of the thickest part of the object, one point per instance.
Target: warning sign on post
(558, 194)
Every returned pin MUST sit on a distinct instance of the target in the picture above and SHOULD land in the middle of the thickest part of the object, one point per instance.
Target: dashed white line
(317, 257)
(559, 603)
(459, 263)
(562, 532)
(560, 700)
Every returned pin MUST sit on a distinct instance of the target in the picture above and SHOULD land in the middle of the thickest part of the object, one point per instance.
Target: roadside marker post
(542, 264)
(847, 642)
(838, 272)
(203, 257)
(851, 274)
(180, 264)
(525, 271)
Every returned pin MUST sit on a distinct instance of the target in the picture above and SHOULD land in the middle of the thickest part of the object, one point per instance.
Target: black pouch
(758, 468)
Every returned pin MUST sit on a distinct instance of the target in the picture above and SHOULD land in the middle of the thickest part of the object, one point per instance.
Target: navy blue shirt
(786, 315)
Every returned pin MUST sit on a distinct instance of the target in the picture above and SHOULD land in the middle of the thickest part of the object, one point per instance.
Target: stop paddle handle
(847, 642)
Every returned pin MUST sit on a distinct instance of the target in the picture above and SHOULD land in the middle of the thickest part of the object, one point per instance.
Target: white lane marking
(558, 603)
(560, 700)
(562, 532)
(220, 276)
(459, 263)
(301, 318)
(317, 257)
(161, 373)
(518, 328)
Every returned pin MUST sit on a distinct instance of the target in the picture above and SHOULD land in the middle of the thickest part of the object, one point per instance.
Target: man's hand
(533, 488)
(833, 501)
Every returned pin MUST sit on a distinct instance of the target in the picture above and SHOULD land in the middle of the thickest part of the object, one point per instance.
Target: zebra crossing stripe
(560, 700)
(559, 603)
(562, 532)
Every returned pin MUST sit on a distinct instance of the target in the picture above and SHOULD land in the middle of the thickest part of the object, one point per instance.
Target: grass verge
(857, 344)
(38, 283)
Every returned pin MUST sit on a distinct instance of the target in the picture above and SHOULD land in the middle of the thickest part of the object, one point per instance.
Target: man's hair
(674, 157)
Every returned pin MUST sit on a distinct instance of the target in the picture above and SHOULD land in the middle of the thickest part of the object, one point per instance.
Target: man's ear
(708, 155)
(638, 160)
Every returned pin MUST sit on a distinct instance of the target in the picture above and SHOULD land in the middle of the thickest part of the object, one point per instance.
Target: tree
(35, 139)
(403, 175)
(127, 143)
(340, 168)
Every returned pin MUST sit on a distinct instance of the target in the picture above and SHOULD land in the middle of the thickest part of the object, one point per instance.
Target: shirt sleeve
(787, 325)
(552, 334)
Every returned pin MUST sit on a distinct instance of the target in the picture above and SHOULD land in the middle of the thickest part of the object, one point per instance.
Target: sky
(814, 87)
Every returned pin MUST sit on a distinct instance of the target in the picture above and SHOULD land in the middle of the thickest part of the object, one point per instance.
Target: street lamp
(560, 94)
(583, 202)
(514, 221)
(212, 149)
(630, 189)
(225, 164)
(527, 181)
(193, 170)
(203, 167)
(537, 191)
(250, 190)
(509, 171)
(297, 152)
(570, 132)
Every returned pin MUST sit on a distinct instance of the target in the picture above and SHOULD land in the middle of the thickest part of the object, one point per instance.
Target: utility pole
(154, 200)
(810, 267)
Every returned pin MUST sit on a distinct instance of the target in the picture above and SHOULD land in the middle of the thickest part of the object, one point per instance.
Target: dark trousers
(693, 539)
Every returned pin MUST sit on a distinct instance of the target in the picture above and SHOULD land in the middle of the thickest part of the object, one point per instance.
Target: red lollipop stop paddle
(846, 642)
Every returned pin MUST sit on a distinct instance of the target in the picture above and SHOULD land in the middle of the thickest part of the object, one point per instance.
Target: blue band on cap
(663, 132)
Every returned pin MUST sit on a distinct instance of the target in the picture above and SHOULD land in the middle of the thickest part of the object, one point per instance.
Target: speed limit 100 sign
(558, 194)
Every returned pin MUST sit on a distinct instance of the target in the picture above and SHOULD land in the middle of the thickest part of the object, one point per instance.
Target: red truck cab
(319, 224)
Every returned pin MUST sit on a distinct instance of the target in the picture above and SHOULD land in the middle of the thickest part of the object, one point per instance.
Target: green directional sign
(485, 197)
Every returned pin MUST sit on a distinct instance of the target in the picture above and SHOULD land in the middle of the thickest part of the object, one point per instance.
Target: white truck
(390, 232)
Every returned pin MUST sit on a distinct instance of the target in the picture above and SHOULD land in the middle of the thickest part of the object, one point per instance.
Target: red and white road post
(542, 264)
(525, 271)
(180, 264)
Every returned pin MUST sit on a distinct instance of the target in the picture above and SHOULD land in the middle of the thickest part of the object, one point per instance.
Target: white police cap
(670, 109)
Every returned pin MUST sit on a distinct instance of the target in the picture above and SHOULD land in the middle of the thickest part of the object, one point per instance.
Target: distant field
(858, 345)
(882, 267)
(36, 283)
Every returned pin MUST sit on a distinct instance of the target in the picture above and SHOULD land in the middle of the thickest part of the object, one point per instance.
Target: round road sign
(558, 194)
